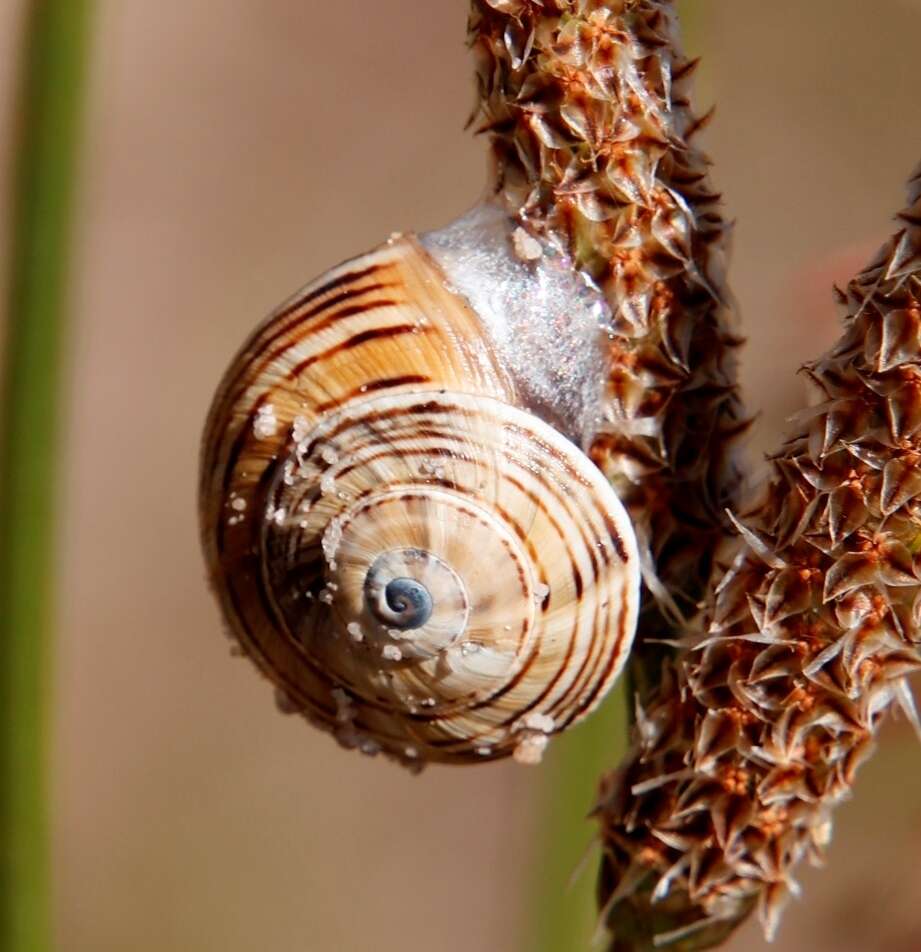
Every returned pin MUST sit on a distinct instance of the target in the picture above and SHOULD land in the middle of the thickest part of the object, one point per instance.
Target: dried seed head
(804, 645)
(586, 105)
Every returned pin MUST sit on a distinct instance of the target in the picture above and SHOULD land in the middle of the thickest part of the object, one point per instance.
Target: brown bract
(806, 644)
(586, 105)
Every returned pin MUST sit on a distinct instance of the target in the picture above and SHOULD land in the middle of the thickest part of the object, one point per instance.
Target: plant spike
(805, 644)
(586, 105)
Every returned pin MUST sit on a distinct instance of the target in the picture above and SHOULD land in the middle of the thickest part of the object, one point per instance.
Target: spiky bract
(806, 644)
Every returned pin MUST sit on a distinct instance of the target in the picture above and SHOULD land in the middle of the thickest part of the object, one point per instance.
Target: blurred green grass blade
(562, 913)
(50, 91)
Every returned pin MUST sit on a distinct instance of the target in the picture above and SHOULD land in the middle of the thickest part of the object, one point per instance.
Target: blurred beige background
(235, 149)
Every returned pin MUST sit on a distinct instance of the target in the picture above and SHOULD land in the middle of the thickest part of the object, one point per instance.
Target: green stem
(51, 96)
(563, 915)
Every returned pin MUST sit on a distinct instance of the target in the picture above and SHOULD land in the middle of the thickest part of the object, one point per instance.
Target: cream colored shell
(419, 564)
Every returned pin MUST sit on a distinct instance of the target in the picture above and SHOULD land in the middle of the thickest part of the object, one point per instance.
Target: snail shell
(421, 564)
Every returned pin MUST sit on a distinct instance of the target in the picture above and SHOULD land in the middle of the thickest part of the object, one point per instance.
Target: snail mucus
(399, 520)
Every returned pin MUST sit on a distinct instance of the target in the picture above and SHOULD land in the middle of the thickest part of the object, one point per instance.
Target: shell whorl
(417, 562)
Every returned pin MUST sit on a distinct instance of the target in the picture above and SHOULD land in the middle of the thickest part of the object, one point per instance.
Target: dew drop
(345, 710)
(265, 423)
(332, 538)
(370, 748)
(300, 429)
(530, 749)
(536, 721)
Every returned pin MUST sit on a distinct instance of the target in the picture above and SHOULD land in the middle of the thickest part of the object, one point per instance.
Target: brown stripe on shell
(256, 575)
(350, 277)
(296, 331)
(615, 652)
(375, 386)
(616, 540)
(594, 628)
(243, 364)
(615, 648)
(601, 684)
(243, 436)
(509, 686)
(231, 462)
(357, 340)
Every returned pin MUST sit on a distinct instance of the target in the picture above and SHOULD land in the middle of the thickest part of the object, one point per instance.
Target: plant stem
(49, 121)
(562, 911)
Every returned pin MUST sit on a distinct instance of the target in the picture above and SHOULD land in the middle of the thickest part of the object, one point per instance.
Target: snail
(399, 519)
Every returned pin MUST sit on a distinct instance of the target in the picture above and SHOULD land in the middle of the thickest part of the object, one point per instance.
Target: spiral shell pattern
(421, 565)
